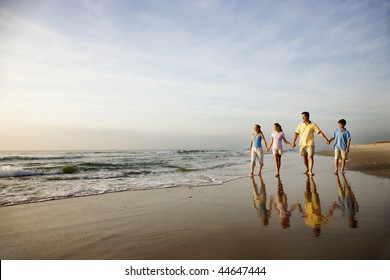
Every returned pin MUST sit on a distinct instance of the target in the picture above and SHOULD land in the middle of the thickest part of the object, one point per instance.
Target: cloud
(193, 67)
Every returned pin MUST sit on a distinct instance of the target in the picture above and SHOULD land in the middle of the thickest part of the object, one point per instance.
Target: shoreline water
(263, 218)
(41, 176)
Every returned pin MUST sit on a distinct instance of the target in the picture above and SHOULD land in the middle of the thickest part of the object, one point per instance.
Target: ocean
(27, 177)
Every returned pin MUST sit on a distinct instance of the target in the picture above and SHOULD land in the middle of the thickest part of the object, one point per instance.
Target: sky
(136, 74)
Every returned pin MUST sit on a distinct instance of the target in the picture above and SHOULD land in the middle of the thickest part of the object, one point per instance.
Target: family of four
(305, 131)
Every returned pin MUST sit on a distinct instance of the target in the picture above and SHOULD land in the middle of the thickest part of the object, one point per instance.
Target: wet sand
(297, 217)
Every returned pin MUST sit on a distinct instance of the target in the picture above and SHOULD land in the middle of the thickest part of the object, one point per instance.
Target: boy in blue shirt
(341, 145)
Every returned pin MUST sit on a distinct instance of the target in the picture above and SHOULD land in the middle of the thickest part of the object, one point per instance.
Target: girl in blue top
(256, 149)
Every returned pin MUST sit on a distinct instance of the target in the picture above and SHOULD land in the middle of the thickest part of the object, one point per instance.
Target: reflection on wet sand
(260, 201)
(313, 216)
(281, 205)
(311, 212)
(347, 201)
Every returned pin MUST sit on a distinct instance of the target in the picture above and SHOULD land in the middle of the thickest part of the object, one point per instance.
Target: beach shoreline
(372, 159)
(217, 222)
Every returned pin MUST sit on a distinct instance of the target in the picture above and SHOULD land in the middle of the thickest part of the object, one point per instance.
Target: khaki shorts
(307, 151)
(340, 154)
(277, 151)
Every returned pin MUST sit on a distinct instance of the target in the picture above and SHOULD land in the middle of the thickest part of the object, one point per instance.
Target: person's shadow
(260, 201)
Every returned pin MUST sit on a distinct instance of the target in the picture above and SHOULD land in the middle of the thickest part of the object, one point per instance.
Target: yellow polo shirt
(306, 133)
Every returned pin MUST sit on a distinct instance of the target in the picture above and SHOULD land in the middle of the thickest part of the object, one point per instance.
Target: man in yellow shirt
(305, 130)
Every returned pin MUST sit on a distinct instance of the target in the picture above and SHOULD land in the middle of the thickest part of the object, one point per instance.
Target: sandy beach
(296, 217)
(373, 159)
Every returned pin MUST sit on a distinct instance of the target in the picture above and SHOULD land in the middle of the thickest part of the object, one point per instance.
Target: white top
(278, 138)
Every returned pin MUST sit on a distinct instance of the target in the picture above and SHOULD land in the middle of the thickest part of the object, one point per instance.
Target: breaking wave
(10, 171)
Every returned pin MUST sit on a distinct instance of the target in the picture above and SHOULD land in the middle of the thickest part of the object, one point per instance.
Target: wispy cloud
(209, 65)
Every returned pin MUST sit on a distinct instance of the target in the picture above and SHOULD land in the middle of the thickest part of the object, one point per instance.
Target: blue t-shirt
(341, 138)
(256, 140)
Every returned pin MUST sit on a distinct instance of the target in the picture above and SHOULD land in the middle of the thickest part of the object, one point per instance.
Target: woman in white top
(277, 147)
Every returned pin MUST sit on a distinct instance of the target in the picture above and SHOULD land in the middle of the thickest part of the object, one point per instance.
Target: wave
(137, 172)
(189, 169)
(40, 176)
(69, 169)
(11, 171)
(35, 199)
(87, 169)
(190, 151)
(20, 157)
(200, 151)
